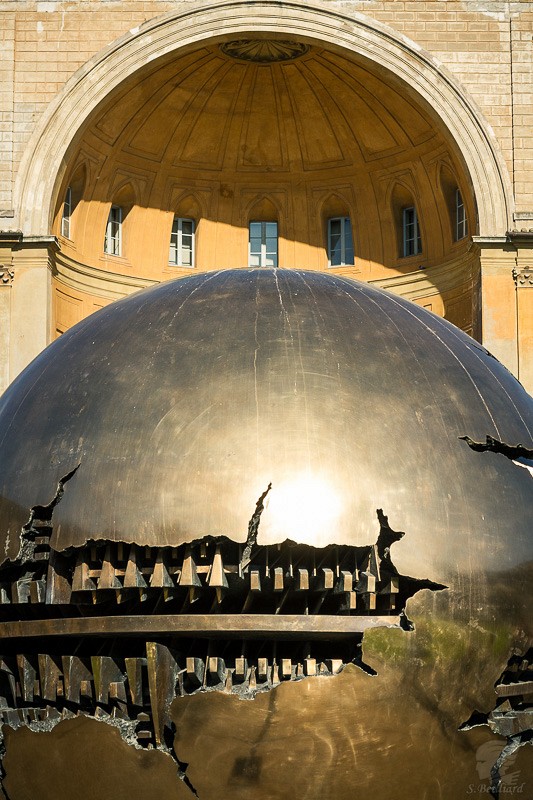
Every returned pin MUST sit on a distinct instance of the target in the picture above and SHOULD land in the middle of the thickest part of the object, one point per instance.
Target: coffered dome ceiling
(264, 129)
(307, 112)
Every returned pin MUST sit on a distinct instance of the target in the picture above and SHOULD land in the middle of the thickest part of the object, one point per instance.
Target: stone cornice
(91, 280)
(522, 237)
(496, 242)
(446, 277)
(443, 277)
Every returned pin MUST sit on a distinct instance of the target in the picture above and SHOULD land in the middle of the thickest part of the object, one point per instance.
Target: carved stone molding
(523, 277)
(264, 51)
(6, 275)
(99, 282)
(192, 24)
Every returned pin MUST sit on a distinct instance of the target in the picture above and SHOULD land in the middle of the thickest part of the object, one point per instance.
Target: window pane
(113, 235)
(335, 227)
(186, 257)
(181, 250)
(263, 244)
(411, 239)
(67, 210)
(335, 258)
(461, 223)
(335, 241)
(173, 251)
(348, 242)
(187, 227)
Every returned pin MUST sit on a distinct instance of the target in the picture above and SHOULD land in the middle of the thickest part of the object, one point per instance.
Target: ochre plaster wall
(226, 141)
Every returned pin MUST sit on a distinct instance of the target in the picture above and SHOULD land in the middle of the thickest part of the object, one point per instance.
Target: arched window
(181, 251)
(263, 239)
(461, 221)
(67, 213)
(406, 221)
(411, 237)
(337, 226)
(114, 238)
(71, 200)
(454, 203)
(113, 232)
(340, 241)
(263, 244)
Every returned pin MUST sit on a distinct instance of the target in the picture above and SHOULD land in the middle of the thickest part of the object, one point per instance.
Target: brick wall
(485, 45)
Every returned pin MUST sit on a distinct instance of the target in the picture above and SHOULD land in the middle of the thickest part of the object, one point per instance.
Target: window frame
(411, 244)
(113, 232)
(66, 214)
(461, 220)
(178, 246)
(263, 254)
(345, 222)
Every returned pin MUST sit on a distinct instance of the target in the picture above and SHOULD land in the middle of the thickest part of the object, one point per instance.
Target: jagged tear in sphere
(183, 402)
(164, 419)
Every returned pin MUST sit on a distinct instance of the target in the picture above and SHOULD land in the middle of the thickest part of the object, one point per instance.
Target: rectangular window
(67, 212)
(113, 232)
(263, 244)
(412, 241)
(340, 242)
(181, 251)
(461, 223)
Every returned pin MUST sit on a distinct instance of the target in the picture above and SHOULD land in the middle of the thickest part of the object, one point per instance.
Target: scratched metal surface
(183, 402)
(392, 736)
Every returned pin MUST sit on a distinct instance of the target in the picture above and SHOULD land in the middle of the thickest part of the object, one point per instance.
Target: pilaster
(507, 301)
(498, 299)
(523, 277)
(26, 265)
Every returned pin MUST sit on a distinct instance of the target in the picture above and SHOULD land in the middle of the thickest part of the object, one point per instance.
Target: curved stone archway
(45, 157)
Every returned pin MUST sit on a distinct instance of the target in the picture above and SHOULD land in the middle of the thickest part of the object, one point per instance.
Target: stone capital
(7, 275)
(523, 277)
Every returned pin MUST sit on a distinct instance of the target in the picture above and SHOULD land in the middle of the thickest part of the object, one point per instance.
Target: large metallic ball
(182, 403)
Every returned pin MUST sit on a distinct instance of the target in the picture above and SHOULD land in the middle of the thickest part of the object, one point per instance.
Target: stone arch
(45, 159)
(333, 205)
(262, 208)
(188, 204)
(402, 194)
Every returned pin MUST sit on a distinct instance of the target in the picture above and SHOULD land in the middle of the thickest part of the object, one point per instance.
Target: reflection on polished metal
(141, 588)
